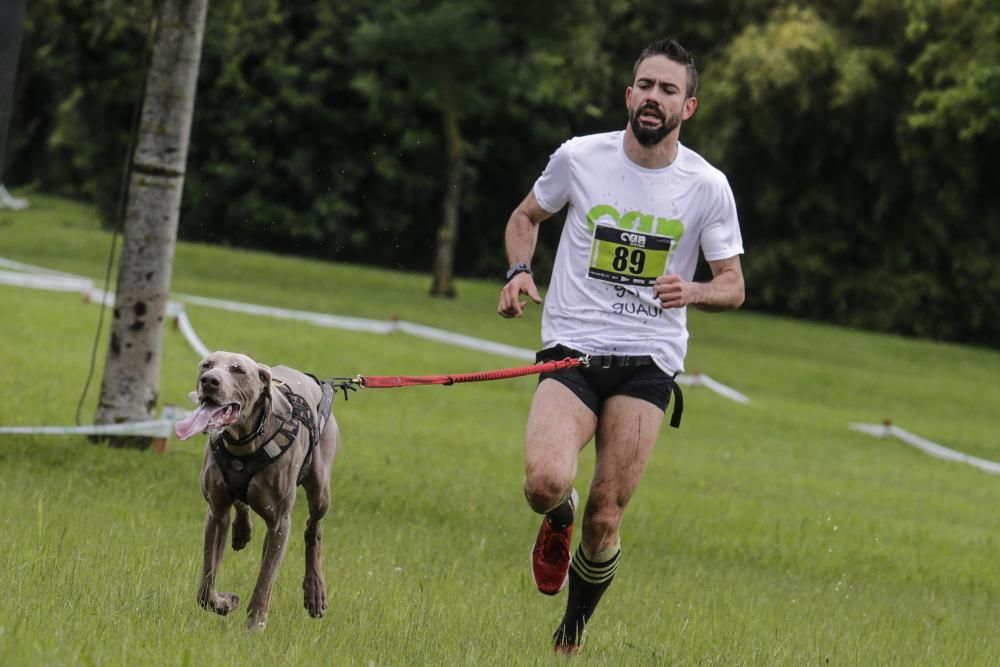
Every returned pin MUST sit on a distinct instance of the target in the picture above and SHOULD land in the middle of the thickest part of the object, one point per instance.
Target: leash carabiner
(345, 384)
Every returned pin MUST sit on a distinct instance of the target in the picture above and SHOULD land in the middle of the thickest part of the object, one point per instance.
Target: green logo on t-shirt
(636, 221)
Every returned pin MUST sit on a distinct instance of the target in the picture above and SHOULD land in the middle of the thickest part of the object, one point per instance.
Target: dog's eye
(237, 369)
(206, 364)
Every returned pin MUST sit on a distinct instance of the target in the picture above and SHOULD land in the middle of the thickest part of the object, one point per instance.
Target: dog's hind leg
(216, 531)
(314, 585)
(241, 526)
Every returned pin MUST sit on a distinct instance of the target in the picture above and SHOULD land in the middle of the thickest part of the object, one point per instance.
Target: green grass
(764, 534)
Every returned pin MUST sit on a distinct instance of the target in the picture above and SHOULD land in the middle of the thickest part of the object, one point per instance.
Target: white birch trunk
(130, 389)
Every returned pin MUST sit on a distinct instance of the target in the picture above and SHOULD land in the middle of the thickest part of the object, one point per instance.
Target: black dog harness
(237, 471)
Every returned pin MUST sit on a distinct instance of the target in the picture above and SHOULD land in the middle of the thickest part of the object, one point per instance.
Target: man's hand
(724, 291)
(510, 296)
(672, 291)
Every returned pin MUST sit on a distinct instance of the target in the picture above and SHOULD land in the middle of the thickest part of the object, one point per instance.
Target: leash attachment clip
(345, 384)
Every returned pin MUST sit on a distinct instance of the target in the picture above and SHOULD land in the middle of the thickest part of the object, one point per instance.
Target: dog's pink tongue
(197, 421)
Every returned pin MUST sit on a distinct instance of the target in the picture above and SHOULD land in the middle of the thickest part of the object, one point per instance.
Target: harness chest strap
(237, 471)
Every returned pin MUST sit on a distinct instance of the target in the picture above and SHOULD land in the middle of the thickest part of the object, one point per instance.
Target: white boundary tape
(94, 295)
(184, 324)
(460, 340)
(66, 282)
(719, 388)
(157, 428)
(420, 331)
(46, 282)
(320, 319)
(926, 446)
(29, 268)
(26, 275)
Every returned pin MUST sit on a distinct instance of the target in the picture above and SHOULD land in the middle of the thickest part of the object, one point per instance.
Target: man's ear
(690, 104)
(193, 395)
(264, 373)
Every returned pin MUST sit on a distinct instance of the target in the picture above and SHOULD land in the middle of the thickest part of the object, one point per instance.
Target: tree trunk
(130, 388)
(11, 25)
(447, 236)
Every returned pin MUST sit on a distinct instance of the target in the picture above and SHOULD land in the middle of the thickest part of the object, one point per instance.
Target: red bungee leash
(388, 381)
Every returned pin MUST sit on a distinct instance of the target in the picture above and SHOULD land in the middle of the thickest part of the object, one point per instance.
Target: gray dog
(270, 429)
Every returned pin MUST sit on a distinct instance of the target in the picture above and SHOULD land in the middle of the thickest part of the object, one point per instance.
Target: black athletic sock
(588, 579)
(562, 514)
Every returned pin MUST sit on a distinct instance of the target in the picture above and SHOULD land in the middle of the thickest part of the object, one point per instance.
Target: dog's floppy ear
(264, 373)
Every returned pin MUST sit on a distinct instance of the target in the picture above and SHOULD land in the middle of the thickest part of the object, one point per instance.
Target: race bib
(625, 257)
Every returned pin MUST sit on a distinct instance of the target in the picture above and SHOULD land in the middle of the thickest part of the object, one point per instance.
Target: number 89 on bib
(625, 257)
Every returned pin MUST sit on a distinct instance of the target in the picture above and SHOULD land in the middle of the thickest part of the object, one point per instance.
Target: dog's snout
(209, 382)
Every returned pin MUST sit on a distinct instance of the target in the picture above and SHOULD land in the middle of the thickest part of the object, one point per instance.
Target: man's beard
(647, 136)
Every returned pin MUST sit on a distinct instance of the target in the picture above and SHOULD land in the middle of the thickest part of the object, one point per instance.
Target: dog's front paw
(315, 596)
(220, 603)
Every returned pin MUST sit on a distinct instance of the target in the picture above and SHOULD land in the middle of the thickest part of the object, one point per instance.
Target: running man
(641, 206)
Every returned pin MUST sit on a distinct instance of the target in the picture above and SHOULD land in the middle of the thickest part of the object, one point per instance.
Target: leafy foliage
(859, 135)
(855, 204)
(79, 90)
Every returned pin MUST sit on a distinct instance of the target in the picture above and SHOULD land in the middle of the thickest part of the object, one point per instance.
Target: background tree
(78, 87)
(130, 388)
(949, 149)
(840, 175)
(858, 135)
(11, 26)
(465, 61)
(290, 171)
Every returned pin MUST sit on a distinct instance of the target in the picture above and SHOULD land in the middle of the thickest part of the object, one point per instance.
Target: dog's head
(229, 386)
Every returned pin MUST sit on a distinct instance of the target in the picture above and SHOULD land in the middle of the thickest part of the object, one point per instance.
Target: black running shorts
(595, 385)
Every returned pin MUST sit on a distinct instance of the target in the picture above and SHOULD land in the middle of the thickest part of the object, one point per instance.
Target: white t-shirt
(600, 299)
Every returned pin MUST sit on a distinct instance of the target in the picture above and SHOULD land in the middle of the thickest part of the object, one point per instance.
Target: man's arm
(725, 291)
(520, 238)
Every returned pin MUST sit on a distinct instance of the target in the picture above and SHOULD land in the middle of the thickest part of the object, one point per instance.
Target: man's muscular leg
(626, 436)
(558, 428)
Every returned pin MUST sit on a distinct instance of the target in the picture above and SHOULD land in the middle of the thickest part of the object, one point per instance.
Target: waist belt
(617, 361)
(607, 360)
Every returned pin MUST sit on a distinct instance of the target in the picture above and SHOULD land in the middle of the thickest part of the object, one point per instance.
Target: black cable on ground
(120, 209)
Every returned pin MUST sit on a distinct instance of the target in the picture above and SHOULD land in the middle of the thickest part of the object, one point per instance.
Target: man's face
(657, 101)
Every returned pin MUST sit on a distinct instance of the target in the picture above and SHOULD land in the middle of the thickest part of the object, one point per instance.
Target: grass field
(763, 534)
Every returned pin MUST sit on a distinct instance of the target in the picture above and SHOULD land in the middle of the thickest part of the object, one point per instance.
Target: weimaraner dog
(270, 429)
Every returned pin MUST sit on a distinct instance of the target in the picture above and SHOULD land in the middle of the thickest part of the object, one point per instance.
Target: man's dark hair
(671, 50)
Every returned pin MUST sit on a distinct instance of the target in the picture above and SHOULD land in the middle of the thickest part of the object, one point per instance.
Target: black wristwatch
(520, 267)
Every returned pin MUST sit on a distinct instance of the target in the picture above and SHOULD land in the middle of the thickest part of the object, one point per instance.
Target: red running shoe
(565, 648)
(566, 641)
(550, 557)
